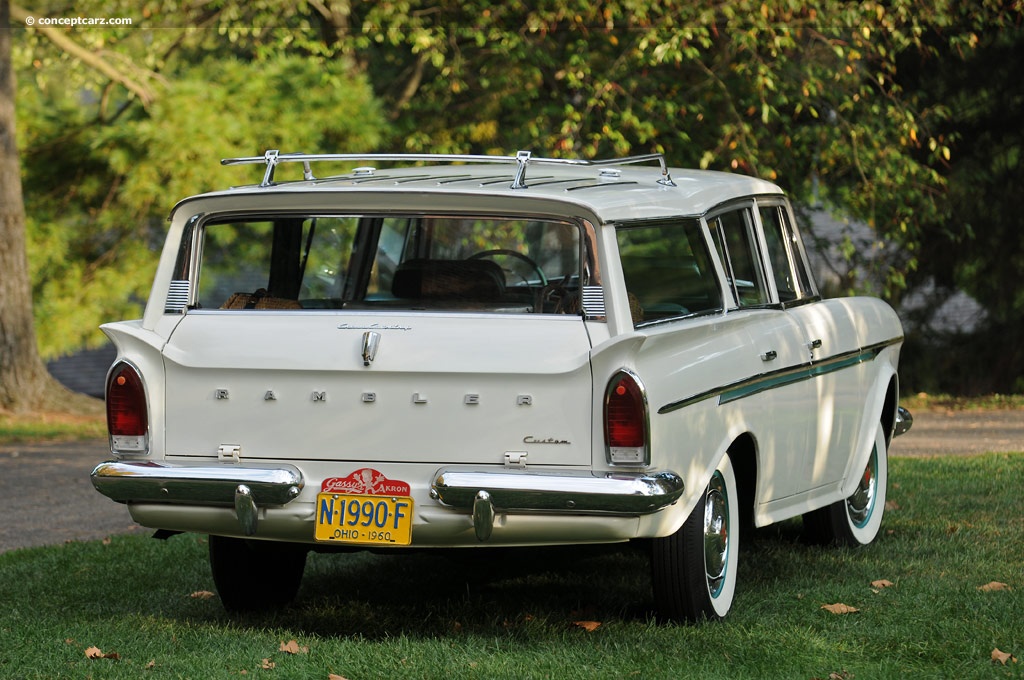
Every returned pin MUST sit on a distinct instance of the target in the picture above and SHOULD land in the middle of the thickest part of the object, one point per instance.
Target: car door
(830, 340)
(778, 357)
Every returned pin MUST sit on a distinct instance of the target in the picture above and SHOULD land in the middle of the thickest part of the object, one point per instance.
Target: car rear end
(367, 370)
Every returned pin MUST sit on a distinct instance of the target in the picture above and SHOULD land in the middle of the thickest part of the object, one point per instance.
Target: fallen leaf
(1002, 657)
(107, 541)
(202, 595)
(332, 676)
(589, 626)
(882, 583)
(97, 653)
(151, 665)
(267, 664)
(839, 608)
(993, 586)
(292, 647)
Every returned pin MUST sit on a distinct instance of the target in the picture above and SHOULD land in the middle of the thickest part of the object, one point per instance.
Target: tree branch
(91, 60)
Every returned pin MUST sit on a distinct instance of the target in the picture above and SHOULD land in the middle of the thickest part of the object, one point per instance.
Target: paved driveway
(46, 497)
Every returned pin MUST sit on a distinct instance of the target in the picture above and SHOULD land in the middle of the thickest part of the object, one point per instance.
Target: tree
(978, 245)
(24, 381)
(123, 121)
(109, 109)
(793, 92)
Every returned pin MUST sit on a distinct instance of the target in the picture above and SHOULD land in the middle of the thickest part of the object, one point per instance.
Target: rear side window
(371, 262)
(735, 239)
(789, 267)
(668, 270)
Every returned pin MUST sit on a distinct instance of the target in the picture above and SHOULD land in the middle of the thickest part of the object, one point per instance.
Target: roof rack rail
(272, 158)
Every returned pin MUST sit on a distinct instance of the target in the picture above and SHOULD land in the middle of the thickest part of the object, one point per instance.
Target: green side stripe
(782, 377)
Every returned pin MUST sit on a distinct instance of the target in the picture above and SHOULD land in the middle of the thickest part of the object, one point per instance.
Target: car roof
(614, 189)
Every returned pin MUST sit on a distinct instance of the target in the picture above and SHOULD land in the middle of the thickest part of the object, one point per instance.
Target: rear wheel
(693, 571)
(255, 575)
(856, 520)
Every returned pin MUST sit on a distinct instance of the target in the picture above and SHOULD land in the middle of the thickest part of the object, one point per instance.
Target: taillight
(127, 416)
(625, 420)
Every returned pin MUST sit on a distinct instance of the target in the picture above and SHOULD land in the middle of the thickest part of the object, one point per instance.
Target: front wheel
(693, 571)
(856, 520)
(255, 575)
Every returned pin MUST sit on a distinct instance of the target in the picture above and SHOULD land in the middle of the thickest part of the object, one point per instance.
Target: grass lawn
(37, 427)
(953, 526)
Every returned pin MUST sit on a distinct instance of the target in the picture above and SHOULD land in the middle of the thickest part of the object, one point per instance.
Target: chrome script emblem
(371, 340)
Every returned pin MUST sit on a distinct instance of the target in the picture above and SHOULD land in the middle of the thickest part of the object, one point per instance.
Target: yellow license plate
(363, 519)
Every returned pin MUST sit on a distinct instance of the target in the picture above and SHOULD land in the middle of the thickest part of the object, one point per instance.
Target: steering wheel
(516, 254)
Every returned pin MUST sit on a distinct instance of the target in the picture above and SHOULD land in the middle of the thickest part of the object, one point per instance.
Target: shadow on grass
(501, 591)
(376, 596)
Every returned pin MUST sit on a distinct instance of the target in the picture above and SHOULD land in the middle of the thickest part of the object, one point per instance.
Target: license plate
(358, 519)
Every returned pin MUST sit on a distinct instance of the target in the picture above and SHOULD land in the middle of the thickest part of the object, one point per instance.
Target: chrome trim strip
(561, 491)
(782, 377)
(136, 481)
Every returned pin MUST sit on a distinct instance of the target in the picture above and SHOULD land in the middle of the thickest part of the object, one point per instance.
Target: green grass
(37, 427)
(956, 524)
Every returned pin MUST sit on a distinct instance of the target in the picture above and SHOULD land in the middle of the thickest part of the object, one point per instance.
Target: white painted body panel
(443, 388)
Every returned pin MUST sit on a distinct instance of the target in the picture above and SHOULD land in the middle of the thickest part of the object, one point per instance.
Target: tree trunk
(25, 384)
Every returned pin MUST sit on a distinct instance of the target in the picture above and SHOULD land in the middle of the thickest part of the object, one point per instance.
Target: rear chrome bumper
(482, 493)
(244, 488)
(485, 492)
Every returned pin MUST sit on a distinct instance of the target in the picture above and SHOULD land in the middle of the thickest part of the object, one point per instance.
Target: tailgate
(440, 388)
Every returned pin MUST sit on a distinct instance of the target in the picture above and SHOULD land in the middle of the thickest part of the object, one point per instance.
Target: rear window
(455, 263)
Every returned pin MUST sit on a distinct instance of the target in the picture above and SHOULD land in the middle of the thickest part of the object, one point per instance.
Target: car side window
(789, 267)
(733, 233)
(668, 270)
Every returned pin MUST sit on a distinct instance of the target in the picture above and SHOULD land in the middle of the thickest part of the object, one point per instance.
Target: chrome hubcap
(862, 502)
(716, 534)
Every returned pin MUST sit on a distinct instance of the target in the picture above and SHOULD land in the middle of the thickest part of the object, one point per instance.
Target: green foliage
(102, 172)
(792, 92)
(808, 94)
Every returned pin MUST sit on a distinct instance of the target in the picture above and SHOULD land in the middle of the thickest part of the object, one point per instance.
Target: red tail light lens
(625, 420)
(127, 416)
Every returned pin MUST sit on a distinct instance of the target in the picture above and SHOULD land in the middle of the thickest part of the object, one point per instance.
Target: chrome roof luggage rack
(272, 158)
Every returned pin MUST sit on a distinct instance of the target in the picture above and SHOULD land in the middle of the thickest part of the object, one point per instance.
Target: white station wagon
(497, 351)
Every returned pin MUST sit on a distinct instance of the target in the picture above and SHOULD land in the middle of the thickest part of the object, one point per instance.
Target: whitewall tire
(693, 571)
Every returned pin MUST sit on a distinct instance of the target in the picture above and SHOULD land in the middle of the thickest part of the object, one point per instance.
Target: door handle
(770, 355)
(815, 344)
